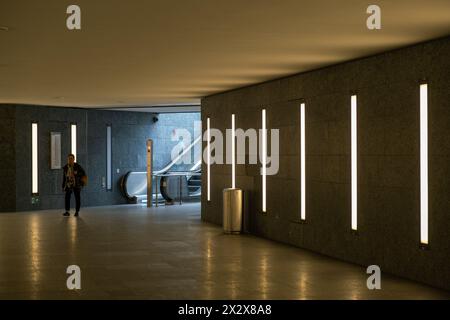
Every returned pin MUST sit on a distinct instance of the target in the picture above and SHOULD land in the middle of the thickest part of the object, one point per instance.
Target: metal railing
(180, 175)
(134, 186)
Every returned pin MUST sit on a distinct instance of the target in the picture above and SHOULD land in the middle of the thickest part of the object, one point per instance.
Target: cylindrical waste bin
(232, 210)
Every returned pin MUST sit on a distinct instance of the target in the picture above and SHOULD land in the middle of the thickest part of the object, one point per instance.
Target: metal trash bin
(232, 210)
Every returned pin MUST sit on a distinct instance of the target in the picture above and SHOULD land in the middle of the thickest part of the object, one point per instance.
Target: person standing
(74, 178)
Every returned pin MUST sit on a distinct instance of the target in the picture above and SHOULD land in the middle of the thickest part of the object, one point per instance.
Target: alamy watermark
(374, 280)
(74, 280)
(373, 22)
(73, 21)
(221, 145)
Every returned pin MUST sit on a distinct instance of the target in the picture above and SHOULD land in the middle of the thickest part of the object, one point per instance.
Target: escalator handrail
(123, 187)
(174, 161)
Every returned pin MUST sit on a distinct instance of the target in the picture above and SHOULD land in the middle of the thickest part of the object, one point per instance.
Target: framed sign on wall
(55, 150)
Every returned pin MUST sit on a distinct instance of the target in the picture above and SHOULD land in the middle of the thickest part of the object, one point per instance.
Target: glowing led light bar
(108, 158)
(34, 159)
(208, 160)
(264, 159)
(424, 163)
(233, 155)
(354, 163)
(73, 141)
(302, 163)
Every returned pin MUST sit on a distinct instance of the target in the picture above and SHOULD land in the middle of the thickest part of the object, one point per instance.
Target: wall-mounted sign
(55, 150)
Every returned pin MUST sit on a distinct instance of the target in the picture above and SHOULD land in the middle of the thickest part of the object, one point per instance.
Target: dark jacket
(78, 172)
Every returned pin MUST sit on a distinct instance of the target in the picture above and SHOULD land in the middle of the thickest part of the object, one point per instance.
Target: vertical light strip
(73, 140)
(34, 159)
(233, 155)
(424, 163)
(354, 152)
(302, 163)
(264, 160)
(108, 159)
(208, 160)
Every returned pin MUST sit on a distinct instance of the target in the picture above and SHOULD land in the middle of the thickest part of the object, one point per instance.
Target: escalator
(195, 186)
(187, 182)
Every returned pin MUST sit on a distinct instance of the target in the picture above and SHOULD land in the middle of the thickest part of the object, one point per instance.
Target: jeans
(76, 192)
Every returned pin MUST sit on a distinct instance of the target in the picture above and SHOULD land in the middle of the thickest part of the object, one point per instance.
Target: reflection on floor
(131, 252)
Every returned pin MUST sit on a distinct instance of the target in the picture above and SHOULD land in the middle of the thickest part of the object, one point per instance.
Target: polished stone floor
(131, 252)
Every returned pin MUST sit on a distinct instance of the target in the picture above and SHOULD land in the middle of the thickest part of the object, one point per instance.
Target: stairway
(194, 184)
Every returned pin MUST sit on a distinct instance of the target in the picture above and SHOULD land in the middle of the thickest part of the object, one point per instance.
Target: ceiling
(138, 53)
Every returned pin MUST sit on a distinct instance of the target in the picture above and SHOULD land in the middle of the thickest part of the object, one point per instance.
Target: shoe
(66, 214)
(76, 214)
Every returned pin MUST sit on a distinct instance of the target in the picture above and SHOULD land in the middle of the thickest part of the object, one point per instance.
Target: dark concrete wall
(8, 159)
(130, 130)
(127, 129)
(388, 234)
(49, 120)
